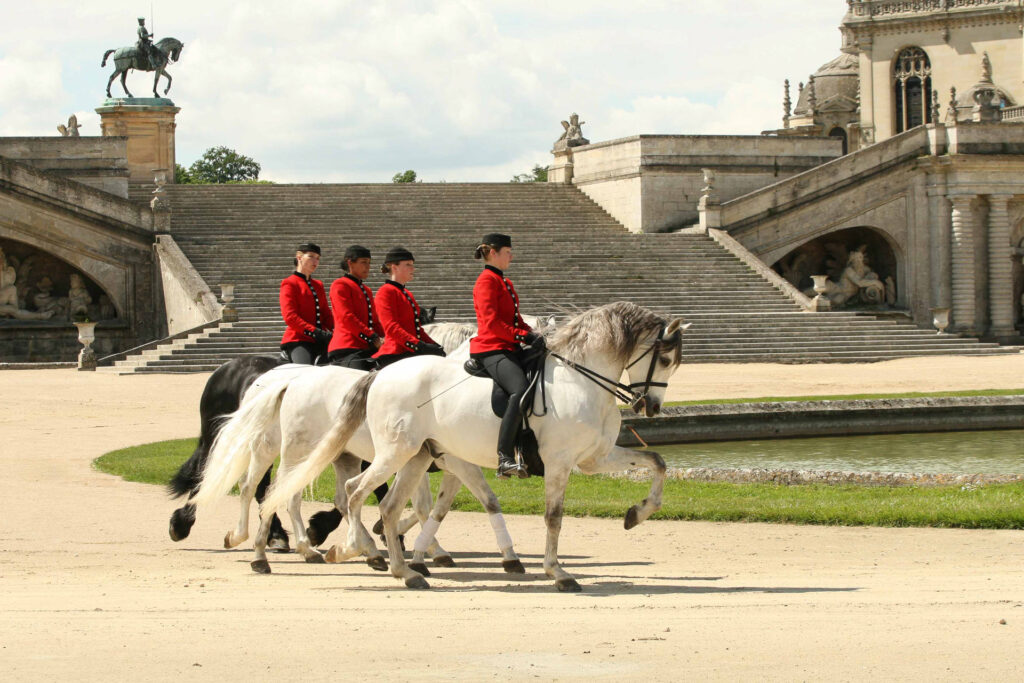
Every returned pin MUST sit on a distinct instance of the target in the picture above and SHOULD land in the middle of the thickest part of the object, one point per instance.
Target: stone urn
(821, 302)
(86, 335)
(940, 319)
(229, 313)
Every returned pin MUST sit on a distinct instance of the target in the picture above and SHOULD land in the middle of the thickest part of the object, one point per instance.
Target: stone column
(963, 263)
(1000, 266)
(148, 123)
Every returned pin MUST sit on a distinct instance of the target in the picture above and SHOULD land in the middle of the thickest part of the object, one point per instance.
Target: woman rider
(496, 346)
(399, 313)
(357, 329)
(304, 309)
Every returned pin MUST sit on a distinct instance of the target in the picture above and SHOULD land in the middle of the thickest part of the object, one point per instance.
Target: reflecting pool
(991, 452)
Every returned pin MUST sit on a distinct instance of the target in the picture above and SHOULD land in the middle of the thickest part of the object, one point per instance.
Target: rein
(624, 392)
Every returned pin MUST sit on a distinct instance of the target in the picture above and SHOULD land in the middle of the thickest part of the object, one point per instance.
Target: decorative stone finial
(572, 136)
(986, 69)
(935, 107)
(786, 105)
(70, 130)
(951, 111)
(812, 98)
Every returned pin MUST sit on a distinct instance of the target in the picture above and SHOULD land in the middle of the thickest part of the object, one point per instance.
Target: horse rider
(399, 313)
(304, 309)
(145, 46)
(497, 345)
(357, 329)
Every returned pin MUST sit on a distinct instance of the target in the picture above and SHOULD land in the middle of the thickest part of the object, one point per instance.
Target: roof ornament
(951, 112)
(812, 99)
(935, 107)
(786, 105)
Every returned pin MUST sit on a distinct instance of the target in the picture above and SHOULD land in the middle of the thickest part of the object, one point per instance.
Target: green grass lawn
(850, 397)
(984, 507)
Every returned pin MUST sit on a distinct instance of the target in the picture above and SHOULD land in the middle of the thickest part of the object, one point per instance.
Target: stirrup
(505, 471)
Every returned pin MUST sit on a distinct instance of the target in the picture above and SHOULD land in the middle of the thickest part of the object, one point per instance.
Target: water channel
(987, 452)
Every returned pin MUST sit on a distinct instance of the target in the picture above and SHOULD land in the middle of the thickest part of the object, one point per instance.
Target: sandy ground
(91, 588)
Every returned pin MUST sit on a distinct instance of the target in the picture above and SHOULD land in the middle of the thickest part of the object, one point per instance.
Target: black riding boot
(508, 464)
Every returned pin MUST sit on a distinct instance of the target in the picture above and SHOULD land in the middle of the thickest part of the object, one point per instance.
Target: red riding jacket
(499, 325)
(355, 318)
(303, 307)
(400, 318)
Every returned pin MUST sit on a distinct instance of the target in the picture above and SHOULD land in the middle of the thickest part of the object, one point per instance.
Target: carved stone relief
(35, 285)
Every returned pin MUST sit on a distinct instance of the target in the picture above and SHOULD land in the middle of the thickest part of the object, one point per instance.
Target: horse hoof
(444, 561)
(378, 527)
(632, 517)
(228, 545)
(420, 568)
(513, 567)
(417, 582)
(260, 566)
(332, 555)
(279, 545)
(567, 586)
(314, 558)
(180, 525)
(377, 563)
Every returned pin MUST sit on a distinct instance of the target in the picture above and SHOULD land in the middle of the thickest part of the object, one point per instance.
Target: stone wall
(99, 162)
(188, 301)
(652, 183)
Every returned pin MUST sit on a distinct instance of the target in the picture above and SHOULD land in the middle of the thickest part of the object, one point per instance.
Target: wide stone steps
(570, 255)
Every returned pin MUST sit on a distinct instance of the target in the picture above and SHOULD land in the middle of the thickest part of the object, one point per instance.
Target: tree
(407, 177)
(181, 175)
(539, 174)
(223, 165)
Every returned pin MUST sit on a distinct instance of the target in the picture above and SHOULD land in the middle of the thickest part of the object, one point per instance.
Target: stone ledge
(827, 477)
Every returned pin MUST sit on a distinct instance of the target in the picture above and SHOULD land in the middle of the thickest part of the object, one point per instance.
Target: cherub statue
(9, 295)
(70, 130)
(78, 297)
(45, 302)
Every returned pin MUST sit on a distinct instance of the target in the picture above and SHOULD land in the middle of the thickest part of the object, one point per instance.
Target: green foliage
(406, 177)
(973, 507)
(222, 165)
(539, 174)
(849, 397)
(182, 176)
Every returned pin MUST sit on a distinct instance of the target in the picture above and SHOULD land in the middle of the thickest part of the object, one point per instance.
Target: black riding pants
(303, 353)
(357, 359)
(505, 367)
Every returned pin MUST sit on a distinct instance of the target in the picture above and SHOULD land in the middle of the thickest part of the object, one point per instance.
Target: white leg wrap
(426, 536)
(500, 531)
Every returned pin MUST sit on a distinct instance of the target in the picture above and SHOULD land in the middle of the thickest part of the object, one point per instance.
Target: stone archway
(830, 254)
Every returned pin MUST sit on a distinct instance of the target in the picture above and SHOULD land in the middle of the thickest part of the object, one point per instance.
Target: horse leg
(124, 85)
(182, 520)
(324, 522)
(430, 519)
(156, 83)
(111, 80)
(359, 541)
(278, 541)
(555, 481)
(169, 79)
(260, 564)
(302, 546)
(260, 464)
(619, 459)
(407, 479)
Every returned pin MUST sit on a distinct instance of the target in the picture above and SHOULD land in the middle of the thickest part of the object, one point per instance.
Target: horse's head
(655, 359)
(170, 47)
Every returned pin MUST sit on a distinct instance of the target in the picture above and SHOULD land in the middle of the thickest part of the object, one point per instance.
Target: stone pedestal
(561, 170)
(709, 212)
(148, 123)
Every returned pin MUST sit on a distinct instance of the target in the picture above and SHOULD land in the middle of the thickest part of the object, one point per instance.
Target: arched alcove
(40, 287)
(839, 133)
(831, 254)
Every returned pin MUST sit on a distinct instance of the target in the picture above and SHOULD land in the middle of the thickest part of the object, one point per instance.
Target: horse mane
(167, 44)
(617, 327)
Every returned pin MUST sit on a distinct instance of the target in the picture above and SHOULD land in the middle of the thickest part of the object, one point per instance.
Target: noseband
(625, 392)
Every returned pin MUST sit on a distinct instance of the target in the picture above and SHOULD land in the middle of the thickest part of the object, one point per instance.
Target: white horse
(287, 411)
(425, 402)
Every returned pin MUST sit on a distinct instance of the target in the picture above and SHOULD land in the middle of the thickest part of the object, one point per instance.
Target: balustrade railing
(1012, 113)
(874, 8)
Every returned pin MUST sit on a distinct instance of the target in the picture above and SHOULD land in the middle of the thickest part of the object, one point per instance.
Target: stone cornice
(905, 16)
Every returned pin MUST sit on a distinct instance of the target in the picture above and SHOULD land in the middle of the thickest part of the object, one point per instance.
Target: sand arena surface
(91, 587)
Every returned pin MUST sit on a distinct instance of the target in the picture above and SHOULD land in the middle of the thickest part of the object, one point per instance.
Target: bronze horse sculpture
(165, 51)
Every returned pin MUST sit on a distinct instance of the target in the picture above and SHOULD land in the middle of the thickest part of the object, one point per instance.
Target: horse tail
(243, 435)
(105, 55)
(188, 477)
(351, 414)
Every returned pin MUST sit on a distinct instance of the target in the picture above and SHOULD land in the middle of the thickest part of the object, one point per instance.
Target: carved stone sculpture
(46, 302)
(78, 297)
(572, 136)
(858, 283)
(70, 130)
(145, 55)
(9, 295)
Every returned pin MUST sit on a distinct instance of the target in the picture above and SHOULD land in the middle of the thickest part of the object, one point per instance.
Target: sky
(457, 90)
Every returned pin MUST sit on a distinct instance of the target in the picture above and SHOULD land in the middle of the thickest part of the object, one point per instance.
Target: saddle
(526, 441)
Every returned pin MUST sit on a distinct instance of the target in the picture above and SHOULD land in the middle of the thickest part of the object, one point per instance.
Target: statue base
(148, 123)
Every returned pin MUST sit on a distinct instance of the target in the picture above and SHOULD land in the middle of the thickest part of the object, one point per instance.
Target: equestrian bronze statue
(144, 56)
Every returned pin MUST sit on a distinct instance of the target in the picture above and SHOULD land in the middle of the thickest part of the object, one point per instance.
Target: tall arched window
(912, 81)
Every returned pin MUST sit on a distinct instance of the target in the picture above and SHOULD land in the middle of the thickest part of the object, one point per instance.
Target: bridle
(625, 392)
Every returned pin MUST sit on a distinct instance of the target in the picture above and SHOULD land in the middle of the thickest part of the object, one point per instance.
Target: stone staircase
(570, 255)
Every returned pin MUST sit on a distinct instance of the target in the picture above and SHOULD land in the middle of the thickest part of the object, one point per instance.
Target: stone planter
(229, 313)
(940, 319)
(86, 335)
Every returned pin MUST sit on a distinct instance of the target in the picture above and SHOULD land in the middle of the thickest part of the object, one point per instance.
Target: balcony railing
(875, 8)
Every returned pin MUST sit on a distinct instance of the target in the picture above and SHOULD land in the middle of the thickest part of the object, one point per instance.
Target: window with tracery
(912, 81)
